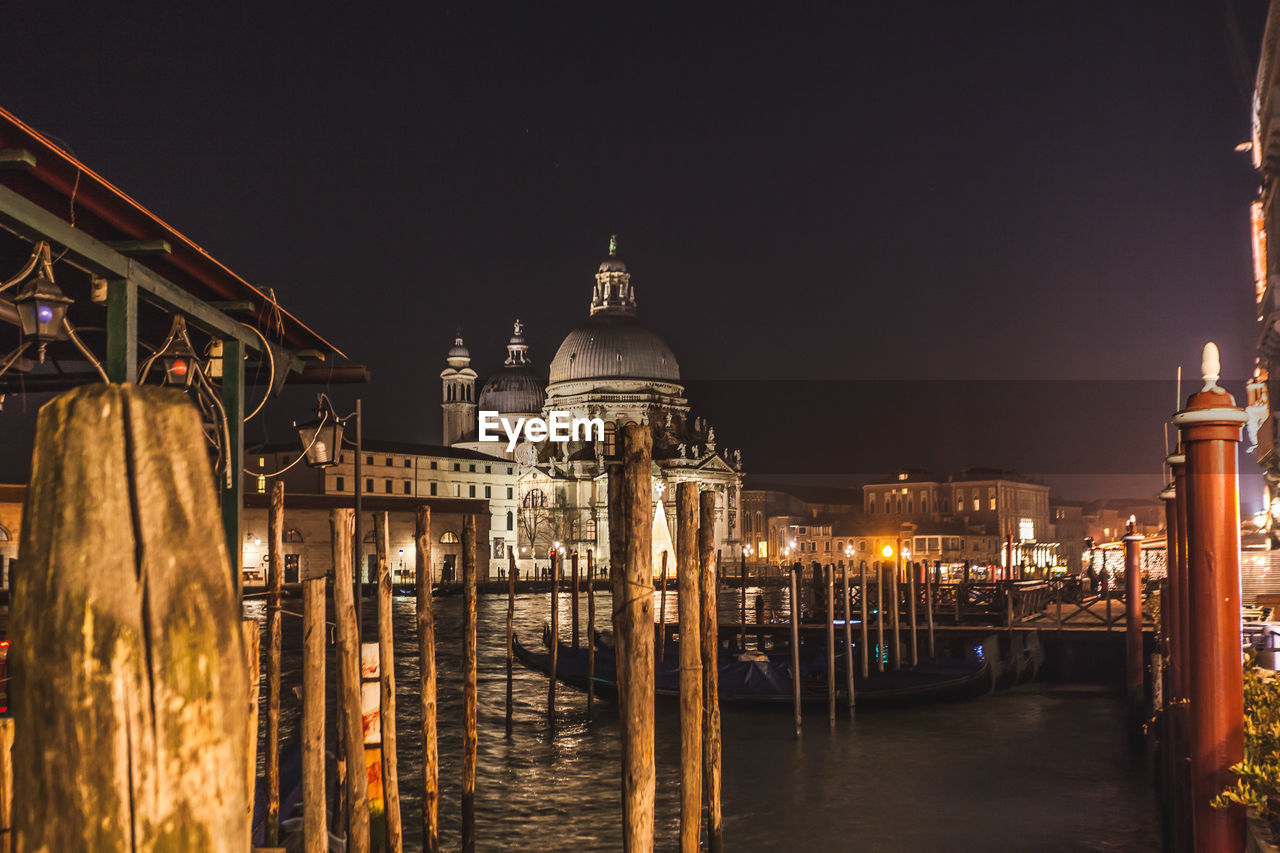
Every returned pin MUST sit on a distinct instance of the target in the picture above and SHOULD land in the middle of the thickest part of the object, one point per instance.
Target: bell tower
(458, 393)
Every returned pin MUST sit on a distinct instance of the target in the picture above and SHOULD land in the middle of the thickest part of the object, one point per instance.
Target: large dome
(514, 389)
(613, 345)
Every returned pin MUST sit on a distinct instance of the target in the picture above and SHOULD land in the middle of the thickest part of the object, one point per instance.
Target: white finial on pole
(1210, 367)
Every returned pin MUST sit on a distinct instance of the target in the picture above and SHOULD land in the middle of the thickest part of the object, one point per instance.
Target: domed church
(613, 367)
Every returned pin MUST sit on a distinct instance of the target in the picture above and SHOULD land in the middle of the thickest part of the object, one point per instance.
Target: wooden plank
(126, 635)
(122, 331)
(427, 684)
(17, 158)
(252, 647)
(387, 682)
(275, 645)
(690, 614)
(470, 740)
(350, 715)
(314, 831)
(631, 533)
(141, 247)
(710, 582)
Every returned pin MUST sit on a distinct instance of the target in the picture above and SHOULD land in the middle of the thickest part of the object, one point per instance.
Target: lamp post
(321, 440)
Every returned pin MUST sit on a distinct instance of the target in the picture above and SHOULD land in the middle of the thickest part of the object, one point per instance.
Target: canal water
(1039, 767)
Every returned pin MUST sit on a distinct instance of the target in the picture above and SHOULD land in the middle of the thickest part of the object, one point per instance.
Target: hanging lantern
(180, 364)
(321, 440)
(42, 306)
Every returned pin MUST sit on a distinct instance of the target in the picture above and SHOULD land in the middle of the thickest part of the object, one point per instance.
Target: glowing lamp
(42, 306)
(180, 364)
(888, 551)
(321, 440)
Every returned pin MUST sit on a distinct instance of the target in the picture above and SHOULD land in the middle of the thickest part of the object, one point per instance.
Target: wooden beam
(17, 158)
(28, 219)
(232, 487)
(241, 305)
(141, 247)
(122, 331)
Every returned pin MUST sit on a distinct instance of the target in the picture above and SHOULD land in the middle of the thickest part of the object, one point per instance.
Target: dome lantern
(613, 293)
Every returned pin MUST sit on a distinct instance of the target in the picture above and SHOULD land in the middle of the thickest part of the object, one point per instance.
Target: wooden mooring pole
(710, 575)
(511, 626)
(6, 784)
(896, 614)
(880, 649)
(128, 658)
(848, 635)
(691, 691)
(913, 569)
(830, 575)
(591, 632)
(350, 716)
(555, 639)
(742, 598)
(252, 651)
(573, 584)
(1210, 427)
(928, 608)
(427, 682)
(795, 646)
(314, 831)
(662, 610)
(630, 536)
(387, 686)
(866, 650)
(275, 644)
(470, 741)
(1134, 663)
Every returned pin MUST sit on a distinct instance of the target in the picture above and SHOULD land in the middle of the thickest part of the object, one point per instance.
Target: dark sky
(838, 192)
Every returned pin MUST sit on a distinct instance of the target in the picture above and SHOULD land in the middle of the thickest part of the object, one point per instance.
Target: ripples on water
(1041, 768)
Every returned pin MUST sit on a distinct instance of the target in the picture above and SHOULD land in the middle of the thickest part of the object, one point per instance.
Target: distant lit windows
(448, 538)
(262, 484)
(1026, 529)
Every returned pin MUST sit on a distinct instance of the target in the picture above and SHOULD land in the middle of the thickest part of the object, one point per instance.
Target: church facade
(611, 367)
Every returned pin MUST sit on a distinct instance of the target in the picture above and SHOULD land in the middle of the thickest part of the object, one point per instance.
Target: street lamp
(42, 308)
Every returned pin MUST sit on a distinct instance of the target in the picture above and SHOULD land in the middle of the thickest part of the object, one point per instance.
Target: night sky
(893, 234)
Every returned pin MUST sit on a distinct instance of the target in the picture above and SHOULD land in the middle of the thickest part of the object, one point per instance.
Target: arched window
(4, 535)
(591, 530)
(510, 520)
(535, 498)
(292, 535)
(610, 439)
(449, 538)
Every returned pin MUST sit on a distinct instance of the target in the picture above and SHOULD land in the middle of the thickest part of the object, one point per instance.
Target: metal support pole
(1133, 625)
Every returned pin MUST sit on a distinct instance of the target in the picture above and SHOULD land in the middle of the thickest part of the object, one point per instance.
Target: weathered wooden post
(866, 650)
(427, 682)
(555, 638)
(591, 632)
(742, 578)
(1181, 787)
(275, 644)
(895, 587)
(1133, 626)
(830, 573)
(795, 646)
(511, 626)
(350, 718)
(573, 620)
(710, 575)
(662, 610)
(470, 741)
(914, 599)
(928, 609)
(848, 635)
(630, 543)
(127, 646)
(6, 784)
(880, 650)
(252, 650)
(691, 691)
(1210, 429)
(314, 831)
(387, 686)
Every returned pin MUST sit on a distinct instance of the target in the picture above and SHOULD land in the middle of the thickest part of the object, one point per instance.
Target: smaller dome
(459, 355)
(612, 264)
(514, 389)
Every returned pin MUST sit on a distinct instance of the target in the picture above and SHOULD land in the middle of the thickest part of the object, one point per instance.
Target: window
(368, 460)
(408, 463)
(388, 487)
(839, 545)
(909, 509)
(510, 520)
(535, 498)
(262, 484)
(509, 495)
(457, 466)
(368, 484)
(924, 504)
(591, 530)
(473, 467)
(487, 490)
(488, 469)
(408, 487)
(340, 484)
(457, 490)
(433, 489)
(388, 461)
(610, 439)
(1026, 529)
(434, 465)
(976, 501)
(448, 538)
(826, 545)
(471, 491)
(509, 469)
(872, 507)
(862, 544)
(991, 498)
(292, 535)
